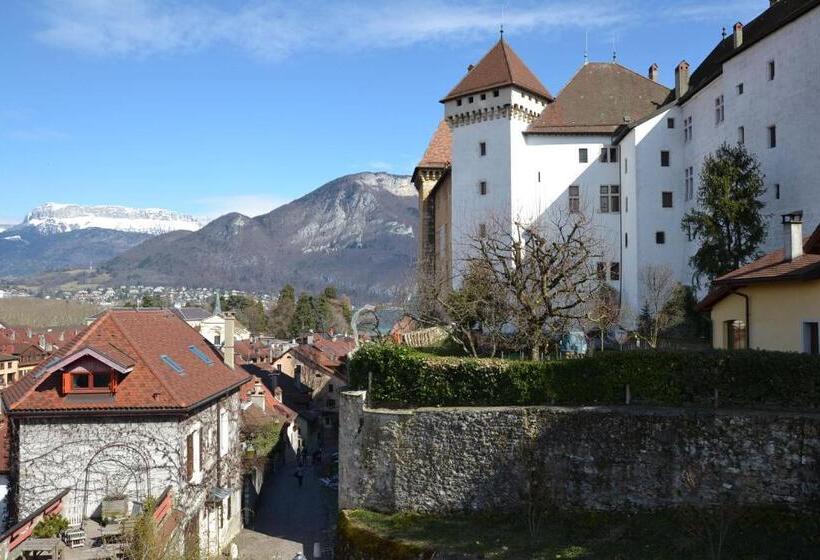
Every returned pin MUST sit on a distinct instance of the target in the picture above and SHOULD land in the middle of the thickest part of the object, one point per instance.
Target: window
(201, 355)
(539, 176)
(229, 507)
(331, 403)
(482, 188)
(483, 96)
(613, 154)
(772, 136)
(224, 433)
(614, 271)
(496, 93)
(719, 114)
(330, 388)
(193, 464)
(687, 129)
(626, 204)
(610, 198)
(740, 88)
(660, 237)
(217, 339)
(666, 199)
(777, 191)
(583, 155)
(86, 381)
(470, 99)
(626, 240)
(482, 148)
(482, 230)
(811, 338)
(458, 102)
(689, 178)
(735, 335)
(626, 166)
(172, 364)
(574, 199)
(741, 135)
(604, 158)
(600, 270)
(771, 70)
(670, 123)
(664, 158)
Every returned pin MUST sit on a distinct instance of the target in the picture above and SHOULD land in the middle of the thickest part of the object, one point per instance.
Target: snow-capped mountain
(51, 218)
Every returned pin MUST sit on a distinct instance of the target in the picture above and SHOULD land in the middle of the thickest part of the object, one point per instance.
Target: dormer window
(84, 381)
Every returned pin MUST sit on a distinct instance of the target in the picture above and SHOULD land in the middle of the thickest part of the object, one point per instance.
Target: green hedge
(404, 377)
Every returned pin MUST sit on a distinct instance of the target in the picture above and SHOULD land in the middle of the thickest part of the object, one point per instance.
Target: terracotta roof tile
(500, 67)
(599, 99)
(143, 337)
(439, 150)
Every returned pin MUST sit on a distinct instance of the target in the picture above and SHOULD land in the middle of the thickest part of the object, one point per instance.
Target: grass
(761, 533)
(39, 313)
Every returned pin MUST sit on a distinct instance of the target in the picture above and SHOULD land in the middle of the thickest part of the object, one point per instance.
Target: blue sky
(214, 106)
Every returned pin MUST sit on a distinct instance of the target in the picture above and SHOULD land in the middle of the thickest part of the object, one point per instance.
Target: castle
(623, 148)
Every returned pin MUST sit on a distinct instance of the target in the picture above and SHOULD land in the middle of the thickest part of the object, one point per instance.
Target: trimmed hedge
(404, 377)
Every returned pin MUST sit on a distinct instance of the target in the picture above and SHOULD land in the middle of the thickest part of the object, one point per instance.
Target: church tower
(488, 112)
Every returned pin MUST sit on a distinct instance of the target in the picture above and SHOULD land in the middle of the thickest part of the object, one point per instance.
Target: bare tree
(474, 313)
(605, 311)
(546, 268)
(660, 310)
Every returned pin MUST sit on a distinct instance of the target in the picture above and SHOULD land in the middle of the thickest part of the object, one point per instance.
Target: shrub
(404, 377)
(50, 526)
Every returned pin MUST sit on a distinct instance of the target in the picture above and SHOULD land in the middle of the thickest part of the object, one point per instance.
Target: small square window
(482, 188)
(670, 123)
(772, 136)
(660, 237)
(583, 155)
(664, 158)
(771, 70)
(740, 88)
(470, 99)
(482, 148)
(458, 102)
(496, 93)
(483, 96)
(666, 199)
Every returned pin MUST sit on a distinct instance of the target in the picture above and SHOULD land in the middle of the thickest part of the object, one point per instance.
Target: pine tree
(727, 221)
(281, 316)
(305, 317)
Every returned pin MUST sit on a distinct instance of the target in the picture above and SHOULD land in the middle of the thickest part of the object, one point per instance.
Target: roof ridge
(630, 70)
(506, 58)
(145, 362)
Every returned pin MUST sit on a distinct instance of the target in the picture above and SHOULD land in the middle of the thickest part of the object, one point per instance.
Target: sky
(213, 106)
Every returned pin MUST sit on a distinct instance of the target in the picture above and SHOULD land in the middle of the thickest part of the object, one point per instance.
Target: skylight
(172, 364)
(201, 355)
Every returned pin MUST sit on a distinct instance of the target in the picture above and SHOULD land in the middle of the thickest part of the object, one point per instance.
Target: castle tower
(488, 112)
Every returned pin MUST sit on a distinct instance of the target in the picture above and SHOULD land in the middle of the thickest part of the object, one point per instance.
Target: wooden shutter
(189, 458)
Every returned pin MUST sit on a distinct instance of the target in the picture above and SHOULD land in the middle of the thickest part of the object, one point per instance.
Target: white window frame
(196, 475)
(719, 110)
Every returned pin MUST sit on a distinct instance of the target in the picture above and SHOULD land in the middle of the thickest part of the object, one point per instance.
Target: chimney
(277, 394)
(29, 332)
(653, 72)
(227, 345)
(470, 68)
(258, 395)
(41, 341)
(738, 34)
(792, 235)
(62, 336)
(681, 79)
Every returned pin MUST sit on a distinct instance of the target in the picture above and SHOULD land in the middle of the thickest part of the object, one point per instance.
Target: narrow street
(290, 519)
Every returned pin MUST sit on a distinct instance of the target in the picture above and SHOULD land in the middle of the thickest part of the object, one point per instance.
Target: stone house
(772, 303)
(137, 403)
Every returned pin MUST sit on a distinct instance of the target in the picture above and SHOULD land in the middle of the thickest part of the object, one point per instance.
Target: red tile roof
(599, 99)
(439, 150)
(138, 337)
(271, 404)
(500, 67)
(771, 267)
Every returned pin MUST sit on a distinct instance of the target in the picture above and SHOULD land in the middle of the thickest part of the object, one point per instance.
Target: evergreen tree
(281, 316)
(305, 317)
(727, 221)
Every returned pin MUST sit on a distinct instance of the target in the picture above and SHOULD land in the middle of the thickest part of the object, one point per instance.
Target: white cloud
(273, 29)
(251, 205)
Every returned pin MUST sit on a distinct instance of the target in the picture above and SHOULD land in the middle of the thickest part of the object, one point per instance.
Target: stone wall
(607, 458)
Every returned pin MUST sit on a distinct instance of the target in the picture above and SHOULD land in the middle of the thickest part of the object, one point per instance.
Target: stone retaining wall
(606, 458)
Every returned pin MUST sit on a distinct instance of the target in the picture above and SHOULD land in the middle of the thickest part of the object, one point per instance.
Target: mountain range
(356, 232)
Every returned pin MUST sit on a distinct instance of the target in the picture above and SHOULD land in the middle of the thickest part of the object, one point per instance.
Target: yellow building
(772, 303)
(9, 370)
(432, 180)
